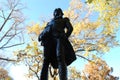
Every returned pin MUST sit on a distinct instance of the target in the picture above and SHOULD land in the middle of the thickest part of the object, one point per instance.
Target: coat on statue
(49, 44)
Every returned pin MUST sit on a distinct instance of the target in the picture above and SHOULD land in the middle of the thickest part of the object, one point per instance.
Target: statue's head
(58, 12)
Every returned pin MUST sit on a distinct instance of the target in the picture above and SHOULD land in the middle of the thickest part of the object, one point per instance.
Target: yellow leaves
(103, 47)
(99, 5)
(95, 25)
(34, 29)
(28, 46)
(107, 9)
(106, 49)
(70, 13)
(33, 48)
(101, 40)
(35, 44)
(78, 41)
(75, 4)
(97, 69)
(108, 21)
(35, 65)
(30, 75)
(73, 10)
(84, 27)
(74, 73)
(105, 26)
(77, 28)
(4, 74)
(89, 1)
(108, 31)
(86, 54)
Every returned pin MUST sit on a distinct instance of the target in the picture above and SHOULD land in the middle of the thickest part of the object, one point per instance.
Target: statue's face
(55, 13)
(58, 12)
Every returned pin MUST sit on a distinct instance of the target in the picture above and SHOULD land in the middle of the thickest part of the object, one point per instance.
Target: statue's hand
(39, 38)
(42, 43)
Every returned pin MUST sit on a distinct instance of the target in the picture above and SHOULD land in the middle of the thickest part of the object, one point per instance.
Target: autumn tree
(90, 38)
(4, 75)
(11, 30)
(11, 22)
(98, 70)
(31, 57)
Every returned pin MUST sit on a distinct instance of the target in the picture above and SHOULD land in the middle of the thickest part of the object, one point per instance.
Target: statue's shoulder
(66, 19)
(50, 22)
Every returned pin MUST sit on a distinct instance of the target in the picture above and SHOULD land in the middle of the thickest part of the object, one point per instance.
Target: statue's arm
(69, 27)
(44, 33)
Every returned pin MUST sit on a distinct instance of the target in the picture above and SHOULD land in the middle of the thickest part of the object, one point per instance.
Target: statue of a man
(57, 49)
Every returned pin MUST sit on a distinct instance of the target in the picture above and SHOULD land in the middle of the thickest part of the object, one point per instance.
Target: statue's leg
(62, 69)
(61, 61)
(44, 71)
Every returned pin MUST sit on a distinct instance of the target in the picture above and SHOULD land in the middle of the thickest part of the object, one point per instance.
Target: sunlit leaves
(4, 74)
(98, 35)
(105, 25)
(74, 74)
(98, 70)
(33, 61)
(35, 28)
(32, 48)
(89, 1)
(108, 14)
(76, 4)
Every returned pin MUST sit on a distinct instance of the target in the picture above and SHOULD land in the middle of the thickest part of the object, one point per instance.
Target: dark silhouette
(58, 51)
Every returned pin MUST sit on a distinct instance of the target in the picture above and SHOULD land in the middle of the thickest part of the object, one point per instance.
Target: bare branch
(83, 57)
(6, 33)
(36, 73)
(11, 45)
(3, 46)
(6, 59)
(84, 50)
(6, 19)
(8, 41)
(3, 16)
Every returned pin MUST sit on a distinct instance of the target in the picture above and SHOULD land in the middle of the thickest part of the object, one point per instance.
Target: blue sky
(38, 8)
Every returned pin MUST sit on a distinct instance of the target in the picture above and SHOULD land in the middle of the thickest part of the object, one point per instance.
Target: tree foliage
(4, 75)
(98, 70)
(31, 57)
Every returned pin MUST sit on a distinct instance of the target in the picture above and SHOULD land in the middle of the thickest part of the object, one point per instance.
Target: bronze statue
(58, 51)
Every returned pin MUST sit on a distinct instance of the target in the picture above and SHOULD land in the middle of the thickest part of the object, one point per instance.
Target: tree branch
(38, 62)
(12, 36)
(3, 15)
(11, 45)
(83, 57)
(33, 70)
(84, 50)
(6, 19)
(6, 33)
(6, 59)
(7, 41)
